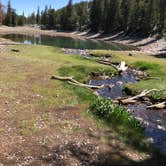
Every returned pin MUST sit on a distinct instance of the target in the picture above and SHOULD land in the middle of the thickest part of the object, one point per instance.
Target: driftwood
(120, 68)
(70, 80)
(158, 106)
(134, 99)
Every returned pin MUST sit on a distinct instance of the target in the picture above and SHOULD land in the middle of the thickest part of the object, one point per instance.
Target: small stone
(150, 140)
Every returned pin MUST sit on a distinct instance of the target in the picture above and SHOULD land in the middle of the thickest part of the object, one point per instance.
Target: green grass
(27, 127)
(141, 65)
(119, 119)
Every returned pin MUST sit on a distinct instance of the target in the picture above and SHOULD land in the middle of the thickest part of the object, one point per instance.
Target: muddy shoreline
(149, 45)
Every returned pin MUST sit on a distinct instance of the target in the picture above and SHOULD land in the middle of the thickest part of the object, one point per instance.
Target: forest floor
(150, 45)
(45, 122)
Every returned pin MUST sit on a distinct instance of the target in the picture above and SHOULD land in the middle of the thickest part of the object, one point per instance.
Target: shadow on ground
(87, 155)
(162, 55)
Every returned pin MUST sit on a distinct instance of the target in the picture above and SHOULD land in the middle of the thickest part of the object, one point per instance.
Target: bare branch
(74, 82)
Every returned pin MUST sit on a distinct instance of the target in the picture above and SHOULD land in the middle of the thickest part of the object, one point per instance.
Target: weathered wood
(158, 106)
(134, 99)
(120, 68)
(70, 80)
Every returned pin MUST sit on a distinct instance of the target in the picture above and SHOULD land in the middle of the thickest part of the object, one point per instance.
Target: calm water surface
(65, 42)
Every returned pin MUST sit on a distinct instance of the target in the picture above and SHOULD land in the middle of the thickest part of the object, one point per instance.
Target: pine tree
(82, 11)
(111, 15)
(162, 18)
(69, 17)
(21, 20)
(125, 11)
(51, 18)
(8, 18)
(96, 15)
(38, 19)
(1, 13)
(44, 16)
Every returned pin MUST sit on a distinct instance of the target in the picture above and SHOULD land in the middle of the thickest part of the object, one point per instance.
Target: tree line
(143, 17)
(133, 17)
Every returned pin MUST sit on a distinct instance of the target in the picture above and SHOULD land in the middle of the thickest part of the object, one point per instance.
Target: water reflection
(65, 42)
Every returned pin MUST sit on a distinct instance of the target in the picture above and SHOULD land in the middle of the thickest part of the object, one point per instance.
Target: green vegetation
(27, 127)
(10, 18)
(119, 119)
(146, 65)
(155, 67)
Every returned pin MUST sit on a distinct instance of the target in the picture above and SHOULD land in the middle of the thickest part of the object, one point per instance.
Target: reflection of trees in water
(65, 42)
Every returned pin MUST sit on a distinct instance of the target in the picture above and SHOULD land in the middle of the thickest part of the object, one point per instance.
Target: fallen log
(70, 80)
(120, 68)
(158, 106)
(134, 99)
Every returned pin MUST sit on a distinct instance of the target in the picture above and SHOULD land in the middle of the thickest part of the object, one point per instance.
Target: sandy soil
(35, 31)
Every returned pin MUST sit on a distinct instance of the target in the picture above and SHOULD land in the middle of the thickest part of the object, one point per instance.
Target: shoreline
(149, 45)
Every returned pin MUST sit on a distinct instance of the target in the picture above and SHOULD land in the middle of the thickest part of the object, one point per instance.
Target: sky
(28, 6)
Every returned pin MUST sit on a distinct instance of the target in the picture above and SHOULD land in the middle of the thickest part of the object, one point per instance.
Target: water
(155, 124)
(153, 120)
(114, 86)
(65, 42)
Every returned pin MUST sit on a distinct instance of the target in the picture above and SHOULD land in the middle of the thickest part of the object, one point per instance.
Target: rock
(111, 86)
(15, 50)
(150, 140)
(130, 54)
(94, 74)
(119, 83)
(107, 56)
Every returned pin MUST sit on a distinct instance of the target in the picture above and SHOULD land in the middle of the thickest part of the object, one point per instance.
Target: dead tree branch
(74, 82)
(134, 99)
(158, 106)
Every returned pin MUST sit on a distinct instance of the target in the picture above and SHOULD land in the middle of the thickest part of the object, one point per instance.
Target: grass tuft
(146, 65)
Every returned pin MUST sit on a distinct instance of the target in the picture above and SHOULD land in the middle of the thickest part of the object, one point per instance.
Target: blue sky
(29, 6)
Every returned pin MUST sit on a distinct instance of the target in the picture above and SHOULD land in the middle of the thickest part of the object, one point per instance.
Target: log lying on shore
(132, 100)
(70, 80)
(158, 106)
(122, 67)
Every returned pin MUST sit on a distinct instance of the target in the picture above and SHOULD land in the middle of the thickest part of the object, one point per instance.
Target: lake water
(66, 42)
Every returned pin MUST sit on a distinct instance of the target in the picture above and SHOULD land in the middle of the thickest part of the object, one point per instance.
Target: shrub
(117, 117)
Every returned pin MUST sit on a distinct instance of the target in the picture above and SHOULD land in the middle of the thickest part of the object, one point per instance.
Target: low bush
(117, 117)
